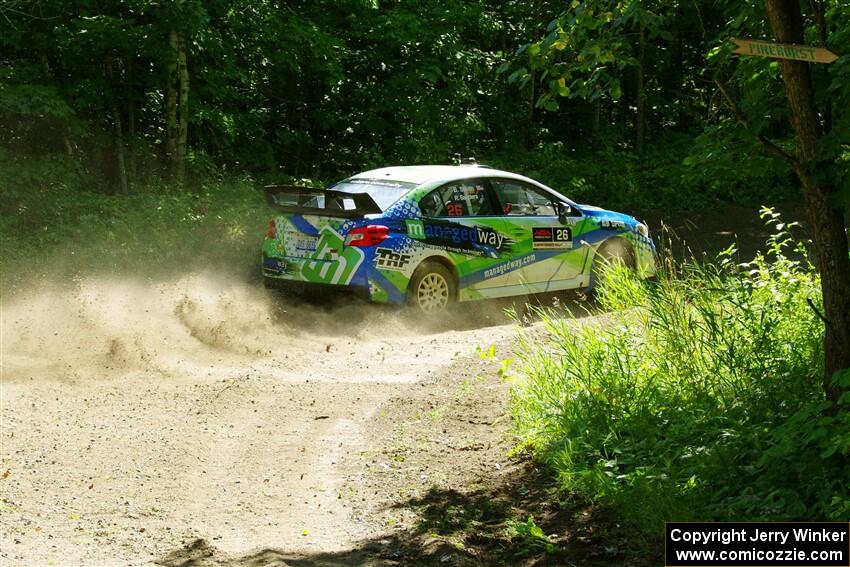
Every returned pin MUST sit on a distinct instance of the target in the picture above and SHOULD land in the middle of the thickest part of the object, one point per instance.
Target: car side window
(520, 199)
(459, 199)
(431, 205)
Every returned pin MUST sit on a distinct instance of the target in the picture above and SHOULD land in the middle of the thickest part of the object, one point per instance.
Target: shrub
(57, 236)
(697, 396)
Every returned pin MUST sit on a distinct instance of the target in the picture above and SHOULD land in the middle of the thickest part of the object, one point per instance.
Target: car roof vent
(458, 160)
(471, 161)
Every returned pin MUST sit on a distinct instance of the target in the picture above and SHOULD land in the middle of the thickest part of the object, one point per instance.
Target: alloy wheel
(433, 293)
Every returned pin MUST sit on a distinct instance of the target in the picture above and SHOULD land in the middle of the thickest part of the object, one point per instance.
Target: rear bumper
(276, 268)
(280, 268)
(315, 290)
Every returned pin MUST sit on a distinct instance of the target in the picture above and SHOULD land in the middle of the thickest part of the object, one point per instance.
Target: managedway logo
(457, 235)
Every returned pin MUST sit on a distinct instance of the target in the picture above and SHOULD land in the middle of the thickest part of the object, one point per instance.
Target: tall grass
(697, 396)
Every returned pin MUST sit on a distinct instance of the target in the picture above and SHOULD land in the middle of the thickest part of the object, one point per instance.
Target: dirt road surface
(204, 422)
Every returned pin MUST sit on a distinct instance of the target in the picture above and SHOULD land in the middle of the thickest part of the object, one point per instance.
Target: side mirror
(564, 210)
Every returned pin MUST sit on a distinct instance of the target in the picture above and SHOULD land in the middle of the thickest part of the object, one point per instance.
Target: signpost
(784, 51)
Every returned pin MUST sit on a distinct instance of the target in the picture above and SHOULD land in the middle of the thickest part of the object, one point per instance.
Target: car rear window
(384, 192)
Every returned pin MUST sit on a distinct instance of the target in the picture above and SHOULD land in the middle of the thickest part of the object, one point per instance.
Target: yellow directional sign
(783, 51)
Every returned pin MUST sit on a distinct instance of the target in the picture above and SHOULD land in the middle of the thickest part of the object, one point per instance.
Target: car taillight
(367, 235)
(270, 233)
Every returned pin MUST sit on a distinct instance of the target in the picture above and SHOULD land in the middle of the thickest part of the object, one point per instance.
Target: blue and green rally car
(432, 235)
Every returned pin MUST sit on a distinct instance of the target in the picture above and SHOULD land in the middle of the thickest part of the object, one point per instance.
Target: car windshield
(384, 192)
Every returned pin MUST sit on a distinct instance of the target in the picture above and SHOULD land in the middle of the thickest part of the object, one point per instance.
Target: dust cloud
(101, 326)
(150, 412)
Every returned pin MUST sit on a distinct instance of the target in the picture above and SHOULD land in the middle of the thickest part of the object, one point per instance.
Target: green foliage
(529, 536)
(587, 48)
(56, 236)
(680, 173)
(324, 89)
(695, 397)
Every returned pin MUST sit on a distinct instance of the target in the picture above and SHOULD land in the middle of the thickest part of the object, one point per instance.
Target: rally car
(432, 235)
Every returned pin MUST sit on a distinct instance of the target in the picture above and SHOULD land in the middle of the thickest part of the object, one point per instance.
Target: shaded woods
(127, 94)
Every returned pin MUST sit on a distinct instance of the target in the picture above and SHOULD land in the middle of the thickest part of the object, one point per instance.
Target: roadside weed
(697, 396)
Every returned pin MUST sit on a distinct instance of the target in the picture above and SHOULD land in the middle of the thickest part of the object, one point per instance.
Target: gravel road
(201, 421)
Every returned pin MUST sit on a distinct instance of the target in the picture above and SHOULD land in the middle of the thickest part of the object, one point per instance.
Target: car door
(552, 259)
(463, 219)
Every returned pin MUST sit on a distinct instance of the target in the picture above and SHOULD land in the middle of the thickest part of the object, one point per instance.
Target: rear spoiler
(321, 202)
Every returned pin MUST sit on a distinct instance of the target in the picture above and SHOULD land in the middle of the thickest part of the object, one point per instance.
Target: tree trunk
(171, 103)
(820, 18)
(681, 110)
(119, 150)
(118, 128)
(131, 117)
(529, 118)
(183, 126)
(66, 140)
(825, 217)
(596, 135)
(500, 127)
(640, 119)
(532, 94)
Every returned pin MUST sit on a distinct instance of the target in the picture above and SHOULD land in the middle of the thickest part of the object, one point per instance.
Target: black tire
(432, 289)
(612, 251)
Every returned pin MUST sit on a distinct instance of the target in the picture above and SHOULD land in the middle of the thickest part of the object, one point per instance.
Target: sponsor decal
(542, 234)
(510, 266)
(342, 266)
(305, 242)
(454, 209)
(551, 237)
(456, 237)
(612, 224)
(415, 229)
(376, 292)
(376, 183)
(387, 259)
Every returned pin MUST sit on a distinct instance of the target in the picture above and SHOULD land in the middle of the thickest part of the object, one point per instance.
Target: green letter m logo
(415, 229)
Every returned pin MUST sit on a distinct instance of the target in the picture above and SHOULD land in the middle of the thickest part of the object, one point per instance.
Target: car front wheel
(612, 252)
(432, 288)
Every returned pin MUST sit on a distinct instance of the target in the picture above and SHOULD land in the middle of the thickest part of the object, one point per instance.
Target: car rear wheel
(432, 288)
